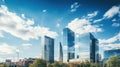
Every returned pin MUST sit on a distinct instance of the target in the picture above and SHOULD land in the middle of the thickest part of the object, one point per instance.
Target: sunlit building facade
(82, 50)
(87, 48)
(69, 41)
(47, 49)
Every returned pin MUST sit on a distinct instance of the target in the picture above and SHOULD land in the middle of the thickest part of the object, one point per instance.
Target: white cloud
(1, 35)
(30, 22)
(110, 43)
(58, 25)
(115, 10)
(112, 46)
(26, 46)
(112, 12)
(22, 28)
(44, 11)
(98, 20)
(23, 16)
(7, 49)
(116, 24)
(74, 6)
(91, 15)
(114, 20)
(82, 26)
(110, 40)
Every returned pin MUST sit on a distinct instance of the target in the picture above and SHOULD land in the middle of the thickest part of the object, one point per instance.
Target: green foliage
(4, 65)
(49, 65)
(113, 62)
(38, 63)
(75, 64)
(60, 64)
(1, 65)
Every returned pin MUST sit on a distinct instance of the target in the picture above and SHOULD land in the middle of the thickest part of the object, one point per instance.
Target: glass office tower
(83, 47)
(47, 49)
(69, 41)
(87, 48)
(94, 49)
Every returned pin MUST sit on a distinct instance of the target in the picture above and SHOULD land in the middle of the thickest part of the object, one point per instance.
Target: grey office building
(69, 41)
(47, 49)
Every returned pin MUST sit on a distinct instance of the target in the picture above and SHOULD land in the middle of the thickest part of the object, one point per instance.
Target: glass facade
(83, 49)
(88, 48)
(69, 41)
(94, 49)
(109, 53)
(48, 49)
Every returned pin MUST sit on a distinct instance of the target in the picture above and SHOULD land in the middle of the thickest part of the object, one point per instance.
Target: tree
(39, 63)
(49, 65)
(113, 61)
(56, 64)
(60, 64)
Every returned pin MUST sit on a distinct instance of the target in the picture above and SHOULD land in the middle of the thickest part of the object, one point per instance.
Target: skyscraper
(69, 41)
(47, 49)
(61, 53)
(86, 48)
(82, 50)
(94, 49)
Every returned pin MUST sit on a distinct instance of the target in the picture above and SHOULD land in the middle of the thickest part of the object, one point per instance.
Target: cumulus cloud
(30, 22)
(110, 43)
(74, 6)
(22, 28)
(114, 20)
(91, 15)
(98, 20)
(26, 46)
(7, 49)
(82, 26)
(110, 40)
(112, 12)
(116, 24)
(23, 16)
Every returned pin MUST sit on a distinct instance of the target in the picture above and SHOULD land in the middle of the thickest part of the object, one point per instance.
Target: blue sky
(23, 22)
